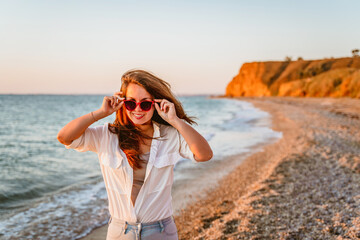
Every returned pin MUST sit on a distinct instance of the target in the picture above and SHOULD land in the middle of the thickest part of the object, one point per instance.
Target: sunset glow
(76, 47)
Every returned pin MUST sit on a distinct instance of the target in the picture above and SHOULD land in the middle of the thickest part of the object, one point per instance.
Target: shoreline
(304, 186)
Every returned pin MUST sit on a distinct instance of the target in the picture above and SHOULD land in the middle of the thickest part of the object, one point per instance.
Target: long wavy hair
(129, 135)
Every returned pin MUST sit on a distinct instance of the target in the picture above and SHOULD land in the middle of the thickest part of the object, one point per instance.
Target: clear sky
(83, 47)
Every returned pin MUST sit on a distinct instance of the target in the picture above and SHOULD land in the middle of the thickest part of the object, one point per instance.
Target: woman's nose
(138, 109)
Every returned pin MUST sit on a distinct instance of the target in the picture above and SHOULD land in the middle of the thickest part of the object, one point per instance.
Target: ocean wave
(62, 215)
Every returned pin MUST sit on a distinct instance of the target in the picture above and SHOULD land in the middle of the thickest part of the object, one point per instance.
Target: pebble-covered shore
(305, 186)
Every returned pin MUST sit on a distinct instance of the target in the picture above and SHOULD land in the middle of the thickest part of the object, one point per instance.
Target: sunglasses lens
(146, 105)
(130, 105)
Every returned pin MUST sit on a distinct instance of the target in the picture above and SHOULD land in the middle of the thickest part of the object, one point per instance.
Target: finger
(117, 101)
(108, 99)
(157, 108)
(166, 107)
(119, 106)
(118, 94)
(160, 102)
(114, 101)
(119, 98)
(162, 105)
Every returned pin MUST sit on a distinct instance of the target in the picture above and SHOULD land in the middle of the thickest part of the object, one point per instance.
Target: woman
(137, 153)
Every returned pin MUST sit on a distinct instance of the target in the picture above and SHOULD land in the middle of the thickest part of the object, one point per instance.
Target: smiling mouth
(138, 116)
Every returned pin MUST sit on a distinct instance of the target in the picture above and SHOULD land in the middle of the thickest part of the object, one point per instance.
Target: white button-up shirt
(154, 199)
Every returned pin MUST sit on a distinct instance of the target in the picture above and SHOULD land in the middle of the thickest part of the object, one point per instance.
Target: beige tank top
(139, 176)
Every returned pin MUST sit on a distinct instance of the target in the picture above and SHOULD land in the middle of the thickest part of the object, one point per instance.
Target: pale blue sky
(197, 46)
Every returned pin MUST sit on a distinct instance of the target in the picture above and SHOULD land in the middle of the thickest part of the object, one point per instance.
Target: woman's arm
(197, 143)
(77, 127)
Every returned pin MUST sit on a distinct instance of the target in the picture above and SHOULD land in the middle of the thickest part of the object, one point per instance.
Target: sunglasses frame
(139, 103)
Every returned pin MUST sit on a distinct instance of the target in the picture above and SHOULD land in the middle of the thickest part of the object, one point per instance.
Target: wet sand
(304, 186)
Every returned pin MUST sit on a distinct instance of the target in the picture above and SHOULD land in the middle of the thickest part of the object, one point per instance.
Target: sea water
(50, 192)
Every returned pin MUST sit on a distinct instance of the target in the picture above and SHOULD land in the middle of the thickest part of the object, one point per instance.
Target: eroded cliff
(313, 78)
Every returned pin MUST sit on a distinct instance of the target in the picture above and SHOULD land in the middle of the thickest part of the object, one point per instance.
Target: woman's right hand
(112, 103)
(74, 129)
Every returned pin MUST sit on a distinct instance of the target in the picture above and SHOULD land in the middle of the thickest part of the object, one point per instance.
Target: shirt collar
(156, 129)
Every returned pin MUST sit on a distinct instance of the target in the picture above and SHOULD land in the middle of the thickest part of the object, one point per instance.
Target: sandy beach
(304, 186)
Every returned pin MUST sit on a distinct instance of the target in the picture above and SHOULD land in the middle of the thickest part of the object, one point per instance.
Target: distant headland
(331, 77)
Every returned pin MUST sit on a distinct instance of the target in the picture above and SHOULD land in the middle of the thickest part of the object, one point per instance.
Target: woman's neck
(146, 127)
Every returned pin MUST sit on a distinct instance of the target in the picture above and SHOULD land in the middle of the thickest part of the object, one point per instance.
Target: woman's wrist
(176, 122)
(97, 115)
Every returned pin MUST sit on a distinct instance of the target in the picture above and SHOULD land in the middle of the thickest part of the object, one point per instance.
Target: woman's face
(138, 94)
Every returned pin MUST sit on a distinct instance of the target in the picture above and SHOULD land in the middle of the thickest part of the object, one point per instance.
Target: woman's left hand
(166, 110)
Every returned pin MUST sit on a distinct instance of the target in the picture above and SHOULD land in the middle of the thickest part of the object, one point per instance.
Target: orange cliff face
(317, 78)
(249, 81)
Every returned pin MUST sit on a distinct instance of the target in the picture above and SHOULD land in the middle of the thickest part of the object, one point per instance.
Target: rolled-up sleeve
(89, 141)
(184, 149)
